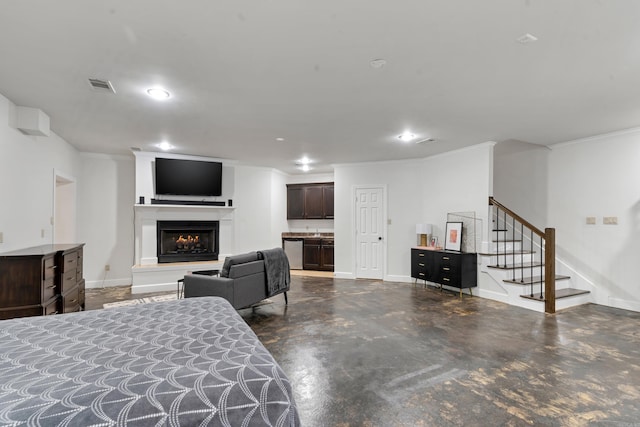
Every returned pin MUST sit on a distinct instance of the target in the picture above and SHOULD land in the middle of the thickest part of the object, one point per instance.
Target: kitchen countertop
(301, 235)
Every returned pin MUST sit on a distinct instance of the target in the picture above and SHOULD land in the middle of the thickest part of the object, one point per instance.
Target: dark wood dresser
(455, 269)
(41, 280)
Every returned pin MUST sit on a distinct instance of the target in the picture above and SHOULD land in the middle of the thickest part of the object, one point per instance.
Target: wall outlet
(610, 220)
(107, 267)
(591, 220)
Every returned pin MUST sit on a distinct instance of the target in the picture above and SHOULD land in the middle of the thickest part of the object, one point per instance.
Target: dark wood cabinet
(318, 254)
(310, 201)
(71, 283)
(313, 202)
(326, 255)
(327, 200)
(311, 254)
(455, 269)
(42, 280)
(295, 202)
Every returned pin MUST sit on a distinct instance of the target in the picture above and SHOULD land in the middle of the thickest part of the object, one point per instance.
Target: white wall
(404, 209)
(521, 179)
(458, 181)
(418, 191)
(278, 205)
(599, 177)
(27, 165)
(257, 224)
(106, 192)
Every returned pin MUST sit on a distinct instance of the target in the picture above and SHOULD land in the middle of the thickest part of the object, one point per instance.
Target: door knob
(380, 238)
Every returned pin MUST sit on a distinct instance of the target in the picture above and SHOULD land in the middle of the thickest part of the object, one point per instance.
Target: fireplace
(184, 241)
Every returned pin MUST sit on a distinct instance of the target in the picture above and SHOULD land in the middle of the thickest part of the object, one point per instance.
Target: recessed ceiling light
(303, 161)
(526, 38)
(378, 63)
(164, 146)
(280, 139)
(158, 93)
(406, 136)
(305, 168)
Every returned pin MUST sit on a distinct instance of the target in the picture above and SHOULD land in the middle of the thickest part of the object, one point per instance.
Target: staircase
(521, 260)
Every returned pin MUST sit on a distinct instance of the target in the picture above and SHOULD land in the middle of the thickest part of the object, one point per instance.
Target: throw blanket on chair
(276, 265)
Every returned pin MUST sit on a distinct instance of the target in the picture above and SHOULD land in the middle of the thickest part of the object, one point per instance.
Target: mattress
(190, 362)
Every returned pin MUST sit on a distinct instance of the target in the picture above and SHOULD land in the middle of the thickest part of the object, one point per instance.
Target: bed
(190, 362)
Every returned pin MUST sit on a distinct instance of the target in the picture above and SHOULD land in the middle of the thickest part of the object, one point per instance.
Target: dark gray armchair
(244, 279)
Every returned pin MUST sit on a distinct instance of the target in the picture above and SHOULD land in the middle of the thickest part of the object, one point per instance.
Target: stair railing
(509, 226)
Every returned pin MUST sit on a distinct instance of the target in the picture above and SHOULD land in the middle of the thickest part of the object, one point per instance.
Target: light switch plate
(610, 220)
(591, 220)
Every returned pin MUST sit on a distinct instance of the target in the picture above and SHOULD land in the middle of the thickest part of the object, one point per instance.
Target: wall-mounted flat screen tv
(188, 177)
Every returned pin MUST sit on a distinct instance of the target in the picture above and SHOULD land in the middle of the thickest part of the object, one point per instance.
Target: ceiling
(243, 73)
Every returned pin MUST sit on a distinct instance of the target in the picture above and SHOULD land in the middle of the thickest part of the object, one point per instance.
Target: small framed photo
(453, 237)
(434, 242)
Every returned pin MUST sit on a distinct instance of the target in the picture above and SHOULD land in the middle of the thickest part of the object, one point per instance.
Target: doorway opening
(64, 209)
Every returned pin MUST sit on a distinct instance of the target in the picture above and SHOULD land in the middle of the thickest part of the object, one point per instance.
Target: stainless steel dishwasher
(293, 247)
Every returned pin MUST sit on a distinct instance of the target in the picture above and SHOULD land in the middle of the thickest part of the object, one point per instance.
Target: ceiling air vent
(101, 85)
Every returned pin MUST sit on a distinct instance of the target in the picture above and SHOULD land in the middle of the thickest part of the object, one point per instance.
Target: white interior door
(369, 233)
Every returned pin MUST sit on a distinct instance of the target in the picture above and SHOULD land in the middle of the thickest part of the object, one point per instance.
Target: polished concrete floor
(367, 353)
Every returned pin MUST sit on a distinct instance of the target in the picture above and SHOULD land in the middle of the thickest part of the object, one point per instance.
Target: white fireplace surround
(147, 274)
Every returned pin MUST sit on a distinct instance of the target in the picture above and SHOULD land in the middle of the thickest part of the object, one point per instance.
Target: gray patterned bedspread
(191, 362)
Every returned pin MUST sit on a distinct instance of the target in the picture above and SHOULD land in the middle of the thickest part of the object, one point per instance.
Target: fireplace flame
(187, 242)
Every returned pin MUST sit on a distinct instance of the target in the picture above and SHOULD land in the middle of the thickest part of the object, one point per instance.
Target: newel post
(550, 270)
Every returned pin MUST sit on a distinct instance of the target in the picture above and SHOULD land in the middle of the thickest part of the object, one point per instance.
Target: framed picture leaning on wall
(453, 236)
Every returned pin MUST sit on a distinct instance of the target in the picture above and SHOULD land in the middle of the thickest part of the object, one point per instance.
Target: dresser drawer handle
(446, 268)
(51, 287)
(73, 300)
(446, 279)
(420, 254)
(445, 257)
(421, 264)
(421, 274)
(53, 267)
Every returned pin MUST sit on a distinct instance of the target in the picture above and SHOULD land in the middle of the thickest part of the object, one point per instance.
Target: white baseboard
(495, 296)
(97, 284)
(343, 275)
(624, 304)
(398, 278)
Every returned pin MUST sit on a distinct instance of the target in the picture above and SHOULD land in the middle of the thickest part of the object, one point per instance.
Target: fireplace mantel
(182, 207)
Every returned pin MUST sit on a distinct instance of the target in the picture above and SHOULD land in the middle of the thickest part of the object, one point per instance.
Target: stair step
(508, 252)
(534, 280)
(560, 293)
(517, 266)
